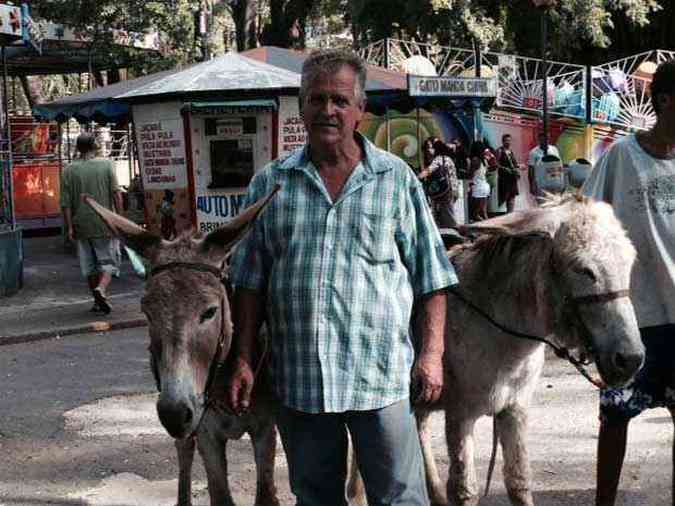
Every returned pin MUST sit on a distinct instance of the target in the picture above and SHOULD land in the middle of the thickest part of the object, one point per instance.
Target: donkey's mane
(577, 226)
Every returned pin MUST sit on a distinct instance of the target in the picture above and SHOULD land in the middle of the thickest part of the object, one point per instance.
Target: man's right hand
(71, 234)
(240, 386)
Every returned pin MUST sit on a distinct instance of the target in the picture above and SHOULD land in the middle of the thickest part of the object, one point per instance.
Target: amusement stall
(203, 131)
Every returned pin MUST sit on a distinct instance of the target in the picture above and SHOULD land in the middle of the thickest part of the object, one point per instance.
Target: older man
(335, 265)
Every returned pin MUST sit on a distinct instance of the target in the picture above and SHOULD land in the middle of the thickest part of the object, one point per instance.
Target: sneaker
(102, 301)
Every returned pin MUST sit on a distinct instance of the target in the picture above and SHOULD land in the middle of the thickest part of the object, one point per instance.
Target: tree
(287, 24)
(244, 14)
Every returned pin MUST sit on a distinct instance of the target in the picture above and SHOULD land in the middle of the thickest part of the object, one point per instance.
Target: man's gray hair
(330, 61)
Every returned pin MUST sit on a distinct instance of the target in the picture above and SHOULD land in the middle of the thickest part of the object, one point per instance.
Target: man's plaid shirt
(340, 279)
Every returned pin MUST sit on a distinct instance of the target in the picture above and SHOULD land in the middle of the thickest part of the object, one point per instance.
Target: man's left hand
(427, 378)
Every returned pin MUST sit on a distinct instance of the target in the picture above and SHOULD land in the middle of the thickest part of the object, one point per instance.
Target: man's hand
(240, 387)
(71, 234)
(427, 378)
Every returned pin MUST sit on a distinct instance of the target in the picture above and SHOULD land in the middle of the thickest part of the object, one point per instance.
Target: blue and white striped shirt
(340, 279)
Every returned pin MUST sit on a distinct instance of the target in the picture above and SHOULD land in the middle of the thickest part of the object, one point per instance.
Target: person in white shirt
(637, 177)
(535, 156)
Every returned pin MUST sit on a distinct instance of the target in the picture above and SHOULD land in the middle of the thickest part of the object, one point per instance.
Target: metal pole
(8, 140)
(419, 132)
(386, 119)
(544, 37)
(589, 94)
(129, 155)
(70, 158)
(386, 53)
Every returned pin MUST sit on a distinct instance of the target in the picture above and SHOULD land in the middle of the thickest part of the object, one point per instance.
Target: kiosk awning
(231, 107)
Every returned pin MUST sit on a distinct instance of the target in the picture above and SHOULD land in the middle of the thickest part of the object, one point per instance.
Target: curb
(99, 326)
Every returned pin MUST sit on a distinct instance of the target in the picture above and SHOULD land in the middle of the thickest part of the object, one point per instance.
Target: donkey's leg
(672, 496)
(462, 487)
(212, 449)
(264, 450)
(356, 490)
(434, 484)
(512, 429)
(185, 449)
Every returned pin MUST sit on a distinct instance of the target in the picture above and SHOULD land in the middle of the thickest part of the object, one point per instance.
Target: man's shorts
(98, 255)
(654, 385)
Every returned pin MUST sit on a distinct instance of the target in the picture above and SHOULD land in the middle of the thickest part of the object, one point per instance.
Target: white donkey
(561, 272)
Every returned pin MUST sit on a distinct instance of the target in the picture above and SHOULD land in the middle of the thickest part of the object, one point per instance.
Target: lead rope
(559, 351)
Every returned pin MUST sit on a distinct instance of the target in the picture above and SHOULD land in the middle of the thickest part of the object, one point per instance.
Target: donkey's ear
(139, 239)
(223, 239)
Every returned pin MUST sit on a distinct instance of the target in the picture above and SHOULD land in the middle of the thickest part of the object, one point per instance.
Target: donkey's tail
(493, 457)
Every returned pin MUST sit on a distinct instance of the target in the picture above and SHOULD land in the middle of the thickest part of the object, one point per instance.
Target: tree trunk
(288, 22)
(244, 14)
(27, 91)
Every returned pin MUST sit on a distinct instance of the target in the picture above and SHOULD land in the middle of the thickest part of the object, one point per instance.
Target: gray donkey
(561, 272)
(188, 312)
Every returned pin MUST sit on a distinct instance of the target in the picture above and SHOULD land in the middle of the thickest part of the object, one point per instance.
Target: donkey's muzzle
(625, 365)
(176, 416)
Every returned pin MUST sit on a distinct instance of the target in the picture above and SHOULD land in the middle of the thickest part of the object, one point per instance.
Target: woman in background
(441, 184)
(480, 189)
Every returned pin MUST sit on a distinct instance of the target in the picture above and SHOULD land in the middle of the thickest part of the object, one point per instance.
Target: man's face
(667, 106)
(507, 142)
(331, 111)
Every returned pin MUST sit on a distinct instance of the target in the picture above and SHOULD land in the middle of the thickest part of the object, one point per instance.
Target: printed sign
(10, 21)
(214, 210)
(233, 127)
(33, 33)
(292, 133)
(423, 86)
(162, 154)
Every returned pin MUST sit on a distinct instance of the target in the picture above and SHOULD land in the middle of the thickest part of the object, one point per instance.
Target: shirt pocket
(376, 237)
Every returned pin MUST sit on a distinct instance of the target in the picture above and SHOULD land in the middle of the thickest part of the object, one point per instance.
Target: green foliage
(574, 24)
(95, 20)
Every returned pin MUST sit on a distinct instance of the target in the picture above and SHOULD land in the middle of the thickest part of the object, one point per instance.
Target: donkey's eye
(586, 271)
(208, 314)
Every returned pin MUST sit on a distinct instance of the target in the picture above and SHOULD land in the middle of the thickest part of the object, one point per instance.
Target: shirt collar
(373, 162)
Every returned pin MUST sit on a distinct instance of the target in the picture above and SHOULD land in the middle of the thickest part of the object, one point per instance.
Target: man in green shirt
(96, 248)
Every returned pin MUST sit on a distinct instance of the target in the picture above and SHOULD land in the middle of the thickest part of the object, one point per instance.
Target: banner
(161, 149)
(292, 133)
(214, 210)
(424, 86)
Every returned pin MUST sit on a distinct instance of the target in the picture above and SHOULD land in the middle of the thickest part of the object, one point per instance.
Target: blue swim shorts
(654, 384)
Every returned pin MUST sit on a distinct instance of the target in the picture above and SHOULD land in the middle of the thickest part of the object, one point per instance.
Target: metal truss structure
(620, 90)
(617, 92)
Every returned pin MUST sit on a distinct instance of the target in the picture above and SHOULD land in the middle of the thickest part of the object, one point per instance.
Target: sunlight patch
(128, 489)
(122, 415)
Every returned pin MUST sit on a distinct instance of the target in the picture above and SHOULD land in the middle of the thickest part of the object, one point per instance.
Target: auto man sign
(425, 86)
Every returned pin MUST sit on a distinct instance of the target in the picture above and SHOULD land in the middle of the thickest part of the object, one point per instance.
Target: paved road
(77, 427)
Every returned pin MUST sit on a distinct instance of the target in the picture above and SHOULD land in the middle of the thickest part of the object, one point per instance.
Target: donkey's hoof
(267, 501)
(463, 501)
(437, 498)
(521, 497)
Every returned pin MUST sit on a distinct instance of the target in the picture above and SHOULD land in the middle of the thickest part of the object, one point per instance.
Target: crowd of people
(489, 174)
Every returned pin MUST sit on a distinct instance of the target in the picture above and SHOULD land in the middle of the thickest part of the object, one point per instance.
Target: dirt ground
(78, 427)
